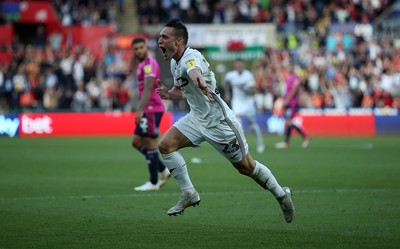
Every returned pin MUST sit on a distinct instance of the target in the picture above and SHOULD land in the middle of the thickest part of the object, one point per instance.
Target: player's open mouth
(163, 50)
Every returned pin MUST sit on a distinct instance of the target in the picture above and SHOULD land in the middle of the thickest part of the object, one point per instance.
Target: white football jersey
(242, 102)
(206, 113)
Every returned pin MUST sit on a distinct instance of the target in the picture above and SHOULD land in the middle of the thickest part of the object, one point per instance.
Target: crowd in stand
(87, 12)
(69, 79)
(367, 76)
(304, 13)
(336, 72)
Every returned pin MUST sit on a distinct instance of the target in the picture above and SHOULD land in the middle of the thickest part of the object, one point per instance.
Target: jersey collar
(184, 51)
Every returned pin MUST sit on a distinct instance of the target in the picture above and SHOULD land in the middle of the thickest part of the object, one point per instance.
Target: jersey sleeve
(191, 62)
(149, 69)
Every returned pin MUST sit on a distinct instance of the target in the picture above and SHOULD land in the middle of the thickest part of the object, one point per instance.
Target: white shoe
(260, 148)
(184, 202)
(305, 143)
(282, 145)
(163, 177)
(286, 204)
(147, 187)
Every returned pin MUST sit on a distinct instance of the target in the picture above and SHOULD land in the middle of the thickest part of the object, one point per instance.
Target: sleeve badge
(147, 69)
(190, 63)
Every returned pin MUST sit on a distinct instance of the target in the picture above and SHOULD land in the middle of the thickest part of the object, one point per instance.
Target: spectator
(94, 93)
(51, 99)
(80, 99)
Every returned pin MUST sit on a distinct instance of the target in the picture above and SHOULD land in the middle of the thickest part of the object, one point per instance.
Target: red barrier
(5, 57)
(346, 125)
(7, 35)
(82, 124)
(108, 124)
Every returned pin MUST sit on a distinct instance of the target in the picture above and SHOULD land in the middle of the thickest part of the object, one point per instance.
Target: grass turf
(78, 193)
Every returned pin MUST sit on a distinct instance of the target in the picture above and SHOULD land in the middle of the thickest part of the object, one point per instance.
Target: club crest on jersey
(190, 63)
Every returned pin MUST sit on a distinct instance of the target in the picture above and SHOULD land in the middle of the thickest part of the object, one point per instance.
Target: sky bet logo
(39, 125)
(9, 125)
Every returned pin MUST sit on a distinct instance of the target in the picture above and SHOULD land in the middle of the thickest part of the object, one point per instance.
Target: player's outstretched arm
(197, 78)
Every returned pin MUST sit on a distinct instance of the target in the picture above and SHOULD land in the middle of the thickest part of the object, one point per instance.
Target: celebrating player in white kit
(209, 119)
(240, 82)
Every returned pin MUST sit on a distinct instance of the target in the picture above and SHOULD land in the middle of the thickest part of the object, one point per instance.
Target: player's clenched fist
(162, 90)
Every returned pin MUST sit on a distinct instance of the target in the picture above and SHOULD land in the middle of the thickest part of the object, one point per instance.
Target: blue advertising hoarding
(9, 125)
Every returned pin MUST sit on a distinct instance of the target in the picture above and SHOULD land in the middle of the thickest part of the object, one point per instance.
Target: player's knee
(243, 169)
(164, 147)
(135, 144)
(246, 166)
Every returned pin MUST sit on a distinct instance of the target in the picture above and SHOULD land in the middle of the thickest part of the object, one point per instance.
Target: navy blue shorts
(149, 125)
(291, 111)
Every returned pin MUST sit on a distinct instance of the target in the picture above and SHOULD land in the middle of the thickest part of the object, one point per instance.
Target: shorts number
(231, 147)
(143, 124)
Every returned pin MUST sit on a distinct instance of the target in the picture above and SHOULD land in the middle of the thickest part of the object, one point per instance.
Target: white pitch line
(155, 194)
(366, 146)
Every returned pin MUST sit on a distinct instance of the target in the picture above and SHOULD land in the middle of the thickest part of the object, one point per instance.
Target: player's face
(239, 65)
(168, 43)
(140, 50)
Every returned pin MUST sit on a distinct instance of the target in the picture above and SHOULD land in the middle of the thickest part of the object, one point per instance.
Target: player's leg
(264, 177)
(139, 144)
(152, 158)
(145, 140)
(288, 129)
(235, 149)
(173, 140)
(169, 145)
(164, 173)
(301, 132)
(255, 129)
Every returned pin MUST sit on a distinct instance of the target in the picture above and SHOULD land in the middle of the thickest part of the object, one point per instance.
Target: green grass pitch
(78, 193)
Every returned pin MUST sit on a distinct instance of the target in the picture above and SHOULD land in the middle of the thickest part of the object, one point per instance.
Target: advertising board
(82, 124)
(121, 124)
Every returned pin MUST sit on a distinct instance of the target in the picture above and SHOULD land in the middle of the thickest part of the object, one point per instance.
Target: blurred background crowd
(336, 70)
(304, 13)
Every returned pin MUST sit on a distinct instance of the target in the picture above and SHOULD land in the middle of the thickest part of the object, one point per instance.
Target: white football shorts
(227, 137)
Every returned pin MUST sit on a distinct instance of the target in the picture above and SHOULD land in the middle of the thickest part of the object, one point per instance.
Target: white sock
(177, 166)
(263, 176)
(257, 132)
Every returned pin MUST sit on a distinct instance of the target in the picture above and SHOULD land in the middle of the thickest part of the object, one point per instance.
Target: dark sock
(153, 163)
(143, 150)
(288, 133)
(300, 131)
(161, 166)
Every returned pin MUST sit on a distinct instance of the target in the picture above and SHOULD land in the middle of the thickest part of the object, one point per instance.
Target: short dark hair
(180, 29)
(239, 59)
(138, 40)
